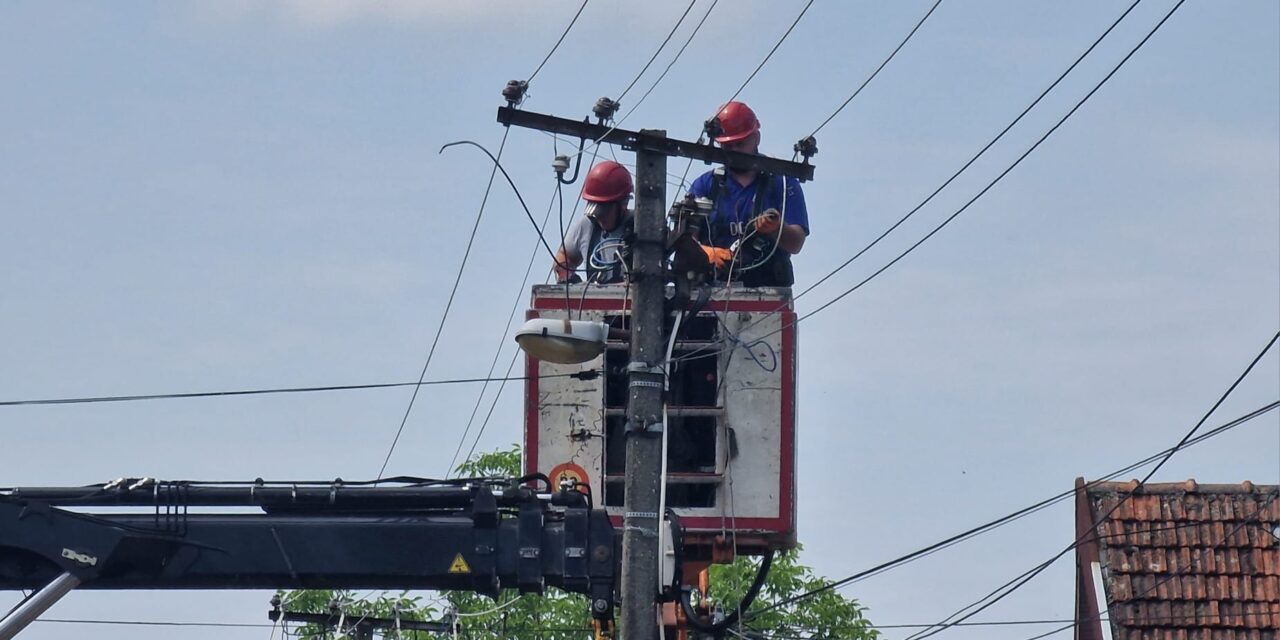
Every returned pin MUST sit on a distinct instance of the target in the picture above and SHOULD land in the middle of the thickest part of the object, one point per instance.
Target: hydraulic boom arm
(475, 537)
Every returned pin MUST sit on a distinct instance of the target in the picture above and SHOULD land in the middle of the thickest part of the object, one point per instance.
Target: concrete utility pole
(640, 553)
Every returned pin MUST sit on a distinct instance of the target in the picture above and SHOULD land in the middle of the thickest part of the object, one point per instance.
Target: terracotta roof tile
(1189, 561)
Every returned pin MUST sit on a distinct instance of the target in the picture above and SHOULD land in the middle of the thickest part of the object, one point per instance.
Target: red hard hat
(737, 121)
(606, 182)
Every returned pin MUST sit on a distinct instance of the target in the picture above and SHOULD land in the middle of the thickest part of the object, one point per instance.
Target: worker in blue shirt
(759, 220)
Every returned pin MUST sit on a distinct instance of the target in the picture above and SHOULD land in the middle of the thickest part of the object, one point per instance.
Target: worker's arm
(792, 240)
(791, 237)
(565, 265)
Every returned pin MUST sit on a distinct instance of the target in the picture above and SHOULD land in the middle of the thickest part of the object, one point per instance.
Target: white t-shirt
(604, 256)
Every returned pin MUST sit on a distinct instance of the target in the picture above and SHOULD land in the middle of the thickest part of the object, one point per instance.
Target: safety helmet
(606, 182)
(737, 121)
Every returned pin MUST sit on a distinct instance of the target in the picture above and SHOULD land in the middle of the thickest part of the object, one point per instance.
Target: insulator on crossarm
(605, 108)
(514, 92)
(560, 164)
(712, 128)
(807, 147)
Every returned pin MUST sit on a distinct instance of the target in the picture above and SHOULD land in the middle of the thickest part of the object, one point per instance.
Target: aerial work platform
(730, 398)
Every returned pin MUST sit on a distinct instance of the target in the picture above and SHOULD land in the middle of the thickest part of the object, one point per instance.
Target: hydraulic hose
(719, 628)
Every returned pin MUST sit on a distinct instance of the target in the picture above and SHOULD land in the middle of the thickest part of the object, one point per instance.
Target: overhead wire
(255, 392)
(794, 635)
(617, 123)
(1156, 584)
(800, 633)
(488, 188)
(939, 227)
(1016, 515)
(503, 340)
(972, 159)
(696, 29)
(448, 303)
(560, 40)
(1018, 582)
(878, 69)
(769, 55)
(662, 46)
(975, 156)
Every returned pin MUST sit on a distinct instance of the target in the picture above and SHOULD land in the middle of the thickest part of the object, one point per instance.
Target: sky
(237, 195)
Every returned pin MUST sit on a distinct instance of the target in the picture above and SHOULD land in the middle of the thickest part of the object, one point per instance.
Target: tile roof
(1180, 561)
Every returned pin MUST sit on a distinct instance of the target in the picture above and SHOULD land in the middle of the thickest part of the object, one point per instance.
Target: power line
(661, 76)
(1016, 515)
(502, 342)
(771, 51)
(967, 204)
(780, 636)
(696, 29)
(1004, 590)
(493, 405)
(814, 634)
(977, 155)
(659, 51)
(557, 44)
(479, 214)
(1257, 517)
(1011, 167)
(449, 303)
(257, 392)
(877, 71)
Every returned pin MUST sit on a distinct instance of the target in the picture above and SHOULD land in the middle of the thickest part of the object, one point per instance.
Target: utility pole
(640, 553)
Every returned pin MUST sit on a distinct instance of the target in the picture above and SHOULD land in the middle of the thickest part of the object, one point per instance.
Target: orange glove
(719, 257)
(768, 223)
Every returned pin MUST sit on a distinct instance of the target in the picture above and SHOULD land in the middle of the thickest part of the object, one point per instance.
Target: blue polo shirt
(736, 204)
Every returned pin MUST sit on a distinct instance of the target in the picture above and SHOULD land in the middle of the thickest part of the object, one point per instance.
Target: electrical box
(730, 413)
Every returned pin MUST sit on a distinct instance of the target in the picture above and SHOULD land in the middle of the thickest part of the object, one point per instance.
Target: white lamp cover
(562, 341)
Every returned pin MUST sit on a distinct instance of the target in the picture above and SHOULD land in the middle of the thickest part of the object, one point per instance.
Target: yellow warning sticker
(459, 565)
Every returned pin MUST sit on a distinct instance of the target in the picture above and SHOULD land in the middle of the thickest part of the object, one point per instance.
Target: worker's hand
(768, 223)
(719, 257)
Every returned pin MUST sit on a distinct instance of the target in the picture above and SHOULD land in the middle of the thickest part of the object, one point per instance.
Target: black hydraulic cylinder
(269, 497)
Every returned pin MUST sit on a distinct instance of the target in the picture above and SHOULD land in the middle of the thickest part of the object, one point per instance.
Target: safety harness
(776, 271)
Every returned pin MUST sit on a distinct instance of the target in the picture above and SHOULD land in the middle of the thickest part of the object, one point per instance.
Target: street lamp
(562, 341)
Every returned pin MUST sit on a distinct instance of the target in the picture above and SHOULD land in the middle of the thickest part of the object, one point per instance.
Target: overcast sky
(235, 195)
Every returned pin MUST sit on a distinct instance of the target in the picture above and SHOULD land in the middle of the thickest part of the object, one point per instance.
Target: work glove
(768, 223)
(719, 257)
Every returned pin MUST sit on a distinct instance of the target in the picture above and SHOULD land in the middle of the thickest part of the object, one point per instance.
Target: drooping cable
(666, 439)
(448, 304)
(498, 165)
(757, 584)
(503, 340)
